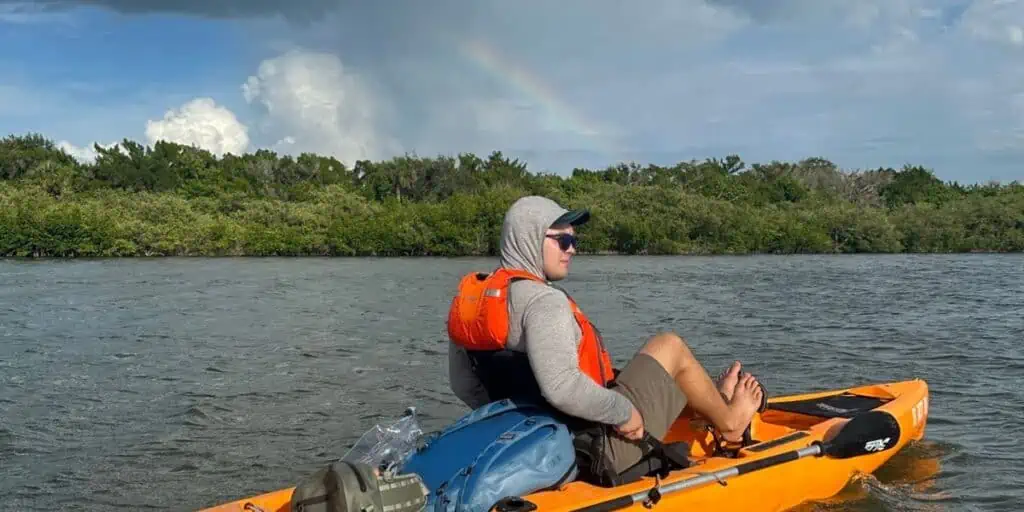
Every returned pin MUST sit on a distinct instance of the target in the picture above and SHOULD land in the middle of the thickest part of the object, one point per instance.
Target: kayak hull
(789, 423)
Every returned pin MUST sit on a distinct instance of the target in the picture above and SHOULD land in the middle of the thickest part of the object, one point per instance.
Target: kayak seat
(843, 405)
(656, 464)
(660, 459)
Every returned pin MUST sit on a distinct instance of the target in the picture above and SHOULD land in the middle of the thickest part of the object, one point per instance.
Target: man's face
(556, 259)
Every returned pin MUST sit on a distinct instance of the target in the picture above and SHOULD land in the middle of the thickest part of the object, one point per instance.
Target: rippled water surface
(179, 383)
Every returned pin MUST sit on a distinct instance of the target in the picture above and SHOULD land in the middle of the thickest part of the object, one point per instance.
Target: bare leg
(731, 416)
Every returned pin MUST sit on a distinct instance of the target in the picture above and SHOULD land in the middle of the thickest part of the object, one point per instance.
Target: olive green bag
(345, 486)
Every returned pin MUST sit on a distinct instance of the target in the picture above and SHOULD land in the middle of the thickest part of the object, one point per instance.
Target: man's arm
(550, 334)
(464, 383)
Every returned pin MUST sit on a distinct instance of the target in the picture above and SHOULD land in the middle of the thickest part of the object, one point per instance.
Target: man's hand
(634, 428)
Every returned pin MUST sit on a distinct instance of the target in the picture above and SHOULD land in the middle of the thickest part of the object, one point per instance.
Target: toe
(732, 370)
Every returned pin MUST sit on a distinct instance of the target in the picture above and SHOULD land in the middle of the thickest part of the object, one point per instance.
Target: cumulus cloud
(313, 103)
(202, 123)
(304, 101)
(199, 122)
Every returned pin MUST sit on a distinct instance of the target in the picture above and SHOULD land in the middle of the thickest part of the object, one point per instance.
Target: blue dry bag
(505, 448)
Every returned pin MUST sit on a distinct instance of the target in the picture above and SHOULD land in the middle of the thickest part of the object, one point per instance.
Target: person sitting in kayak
(513, 334)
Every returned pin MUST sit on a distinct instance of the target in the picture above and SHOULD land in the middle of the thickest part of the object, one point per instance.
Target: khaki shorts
(655, 395)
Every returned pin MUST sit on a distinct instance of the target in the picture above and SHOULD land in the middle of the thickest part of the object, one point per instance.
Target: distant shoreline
(171, 200)
(486, 256)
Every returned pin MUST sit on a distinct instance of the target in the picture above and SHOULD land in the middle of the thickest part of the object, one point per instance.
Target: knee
(670, 341)
(670, 349)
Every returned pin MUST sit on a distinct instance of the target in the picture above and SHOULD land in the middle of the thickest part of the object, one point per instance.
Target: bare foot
(746, 399)
(727, 380)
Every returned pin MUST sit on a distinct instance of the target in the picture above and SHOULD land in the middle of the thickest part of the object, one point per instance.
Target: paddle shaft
(740, 469)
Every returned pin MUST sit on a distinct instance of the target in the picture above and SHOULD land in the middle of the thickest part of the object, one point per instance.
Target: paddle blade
(865, 434)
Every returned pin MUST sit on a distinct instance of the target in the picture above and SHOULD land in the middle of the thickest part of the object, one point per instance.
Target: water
(177, 384)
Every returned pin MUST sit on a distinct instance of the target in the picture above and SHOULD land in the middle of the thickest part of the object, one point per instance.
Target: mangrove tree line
(171, 199)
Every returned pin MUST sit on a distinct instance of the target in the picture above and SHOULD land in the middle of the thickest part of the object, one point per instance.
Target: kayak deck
(789, 423)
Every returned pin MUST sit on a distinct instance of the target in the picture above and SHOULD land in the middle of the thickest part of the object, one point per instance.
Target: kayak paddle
(864, 434)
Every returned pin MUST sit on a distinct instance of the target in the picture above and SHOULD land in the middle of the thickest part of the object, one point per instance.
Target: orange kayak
(775, 472)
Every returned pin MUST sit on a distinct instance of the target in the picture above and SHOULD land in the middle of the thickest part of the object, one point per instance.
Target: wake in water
(907, 483)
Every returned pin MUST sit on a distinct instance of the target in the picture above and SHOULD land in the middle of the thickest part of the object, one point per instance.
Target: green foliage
(20, 156)
(171, 199)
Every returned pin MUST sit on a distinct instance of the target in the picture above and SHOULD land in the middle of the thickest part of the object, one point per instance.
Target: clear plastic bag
(386, 446)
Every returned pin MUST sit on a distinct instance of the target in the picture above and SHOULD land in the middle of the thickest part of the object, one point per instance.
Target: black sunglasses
(565, 241)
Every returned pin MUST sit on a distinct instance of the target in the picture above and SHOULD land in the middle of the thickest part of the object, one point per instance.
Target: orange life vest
(478, 320)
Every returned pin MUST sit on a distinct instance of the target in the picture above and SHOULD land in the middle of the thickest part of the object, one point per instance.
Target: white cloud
(312, 103)
(201, 122)
(309, 102)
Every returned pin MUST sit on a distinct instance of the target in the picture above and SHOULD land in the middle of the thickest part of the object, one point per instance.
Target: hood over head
(525, 226)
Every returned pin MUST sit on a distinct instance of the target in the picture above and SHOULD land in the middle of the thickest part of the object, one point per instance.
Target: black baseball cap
(573, 218)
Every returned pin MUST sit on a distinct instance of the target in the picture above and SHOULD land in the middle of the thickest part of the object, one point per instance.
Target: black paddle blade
(867, 433)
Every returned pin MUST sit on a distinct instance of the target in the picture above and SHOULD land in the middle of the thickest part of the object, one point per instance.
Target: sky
(574, 83)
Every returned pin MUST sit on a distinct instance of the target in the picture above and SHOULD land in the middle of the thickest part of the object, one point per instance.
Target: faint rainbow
(488, 59)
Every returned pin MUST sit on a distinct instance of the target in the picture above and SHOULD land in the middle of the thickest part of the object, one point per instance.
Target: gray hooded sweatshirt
(542, 325)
